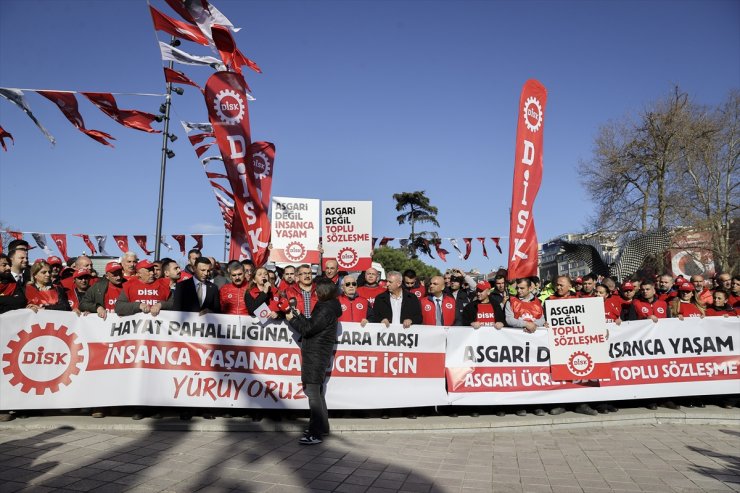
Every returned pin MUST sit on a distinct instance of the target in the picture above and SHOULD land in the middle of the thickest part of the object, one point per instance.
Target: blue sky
(363, 99)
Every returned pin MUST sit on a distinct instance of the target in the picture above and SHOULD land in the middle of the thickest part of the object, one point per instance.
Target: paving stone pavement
(686, 457)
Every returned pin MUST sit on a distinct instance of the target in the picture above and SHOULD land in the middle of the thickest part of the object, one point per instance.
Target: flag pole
(165, 154)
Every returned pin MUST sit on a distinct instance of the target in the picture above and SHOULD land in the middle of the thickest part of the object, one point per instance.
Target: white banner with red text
(54, 360)
(295, 231)
(649, 360)
(347, 230)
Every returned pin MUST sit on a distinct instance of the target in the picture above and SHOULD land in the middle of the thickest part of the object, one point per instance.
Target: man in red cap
(483, 311)
(102, 297)
(144, 294)
(55, 267)
(80, 285)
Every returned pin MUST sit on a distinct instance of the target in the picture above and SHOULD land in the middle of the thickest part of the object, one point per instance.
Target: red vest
(419, 292)
(41, 298)
(151, 294)
(645, 309)
(353, 310)
(486, 315)
(232, 299)
(527, 311)
(429, 310)
(369, 293)
(688, 310)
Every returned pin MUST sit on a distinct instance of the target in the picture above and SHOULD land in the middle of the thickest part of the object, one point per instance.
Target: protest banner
(54, 360)
(295, 231)
(347, 231)
(578, 339)
(649, 360)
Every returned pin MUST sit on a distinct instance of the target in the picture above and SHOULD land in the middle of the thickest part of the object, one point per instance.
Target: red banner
(138, 120)
(122, 242)
(5, 135)
(86, 239)
(527, 179)
(67, 103)
(176, 77)
(61, 242)
(226, 101)
(141, 241)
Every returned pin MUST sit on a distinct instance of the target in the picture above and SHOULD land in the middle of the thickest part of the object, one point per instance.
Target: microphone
(293, 303)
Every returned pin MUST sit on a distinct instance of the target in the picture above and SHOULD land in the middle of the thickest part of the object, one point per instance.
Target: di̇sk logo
(229, 106)
(660, 309)
(448, 305)
(580, 363)
(427, 308)
(533, 114)
(261, 165)
(347, 257)
(295, 251)
(43, 358)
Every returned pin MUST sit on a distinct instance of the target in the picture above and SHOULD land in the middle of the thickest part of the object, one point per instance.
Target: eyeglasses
(304, 273)
(350, 284)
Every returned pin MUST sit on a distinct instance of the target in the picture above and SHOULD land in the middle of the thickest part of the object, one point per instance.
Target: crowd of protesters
(131, 286)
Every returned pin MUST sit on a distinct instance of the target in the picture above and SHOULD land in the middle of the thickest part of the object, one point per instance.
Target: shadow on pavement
(730, 472)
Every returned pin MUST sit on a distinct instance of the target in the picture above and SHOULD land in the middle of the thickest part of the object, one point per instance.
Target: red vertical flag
(86, 239)
(61, 242)
(527, 179)
(198, 241)
(226, 101)
(122, 242)
(141, 241)
(67, 103)
(180, 239)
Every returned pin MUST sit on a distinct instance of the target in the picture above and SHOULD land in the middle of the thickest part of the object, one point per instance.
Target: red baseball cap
(81, 273)
(482, 286)
(112, 267)
(627, 286)
(686, 286)
(579, 280)
(144, 264)
(54, 260)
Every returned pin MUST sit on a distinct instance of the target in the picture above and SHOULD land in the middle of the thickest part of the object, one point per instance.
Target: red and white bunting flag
(179, 7)
(41, 242)
(200, 150)
(198, 241)
(180, 239)
(468, 247)
(176, 28)
(496, 242)
(176, 77)
(141, 241)
(440, 251)
(228, 193)
(67, 103)
(527, 179)
(211, 174)
(198, 138)
(86, 239)
(17, 235)
(190, 126)
(263, 164)
(202, 14)
(15, 96)
(164, 242)
(230, 54)
(138, 120)
(384, 241)
(5, 135)
(61, 242)
(454, 244)
(122, 242)
(483, 244)
(170, 53)
(226, 101)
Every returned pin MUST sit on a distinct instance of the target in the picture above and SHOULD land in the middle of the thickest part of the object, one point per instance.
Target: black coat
(186, 298)
(14, 301)
(410, 308)
(319, 334)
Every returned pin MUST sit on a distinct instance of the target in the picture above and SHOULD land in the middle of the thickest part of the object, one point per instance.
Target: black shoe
(671, 405)
(611, 408)
(453, 415)
(521, 412)
(137, 416)
(474, 415)
(209, 416)
(586, 409)
(501, 414)
(185, 416)
(6, 417)
(385, 416)
(411, 416)
(539, 412)
(156, 416)
(555, 411)
(310, 440)
(652, 406)
(601, 409)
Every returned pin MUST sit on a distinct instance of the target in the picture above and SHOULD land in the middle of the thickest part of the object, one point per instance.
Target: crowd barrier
(53, 360)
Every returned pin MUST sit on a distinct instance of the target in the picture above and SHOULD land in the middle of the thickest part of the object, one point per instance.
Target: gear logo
(533, 114)
(43, 358)
(261, 165)
(580, 364)
(347, 257)
(229, 106)
(295, 251)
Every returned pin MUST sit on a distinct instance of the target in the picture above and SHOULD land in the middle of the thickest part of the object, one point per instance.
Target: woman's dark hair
(325, 290)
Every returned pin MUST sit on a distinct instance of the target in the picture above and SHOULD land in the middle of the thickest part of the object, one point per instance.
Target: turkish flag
(527, 179)
(122, 242)
(175, 77)
(61, 242)
(230, 54)
(483, 244)
(198, 241)
(468, 247)
(86, 239)
(5, 135)
(141, 241)
(180, 239)
(67, 103)
(176, 28)
(138, 120)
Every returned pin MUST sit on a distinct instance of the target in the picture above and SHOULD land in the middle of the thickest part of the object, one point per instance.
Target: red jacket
(642, 309)
(429, 310)
(232, 299)
(369, 292)
(294, 291)
(355, 309)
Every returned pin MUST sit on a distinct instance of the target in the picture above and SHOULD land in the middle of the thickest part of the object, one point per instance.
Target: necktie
(200, 294)
(439, 311)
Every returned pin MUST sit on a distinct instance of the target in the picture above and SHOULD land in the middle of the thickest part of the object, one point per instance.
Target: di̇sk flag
(67, 103)
(527, 179)
(138, 120)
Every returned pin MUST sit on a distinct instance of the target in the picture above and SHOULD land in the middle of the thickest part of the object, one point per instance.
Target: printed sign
(578, 339)
(295, 231)
(347, 230)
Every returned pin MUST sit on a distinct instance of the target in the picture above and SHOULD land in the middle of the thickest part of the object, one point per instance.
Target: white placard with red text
(53, 360)
(347, 233)
(295, 231)
(578, 339)
(665, 359)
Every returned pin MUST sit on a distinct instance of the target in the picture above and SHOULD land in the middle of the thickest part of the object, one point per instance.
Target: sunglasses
(350, 284)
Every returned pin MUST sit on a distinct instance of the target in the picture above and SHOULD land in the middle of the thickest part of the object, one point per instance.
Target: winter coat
(319, 334)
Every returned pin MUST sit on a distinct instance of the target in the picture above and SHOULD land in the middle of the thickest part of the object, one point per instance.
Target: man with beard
(12, 294)
(232, 294)
(588, 289)
(144, 294)
(484, 311)
(412, 284)
(102, 297)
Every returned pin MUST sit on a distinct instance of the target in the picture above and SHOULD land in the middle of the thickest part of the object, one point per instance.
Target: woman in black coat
(319, 334)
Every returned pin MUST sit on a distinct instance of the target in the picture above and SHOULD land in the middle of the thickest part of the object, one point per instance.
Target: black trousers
(318, 423)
